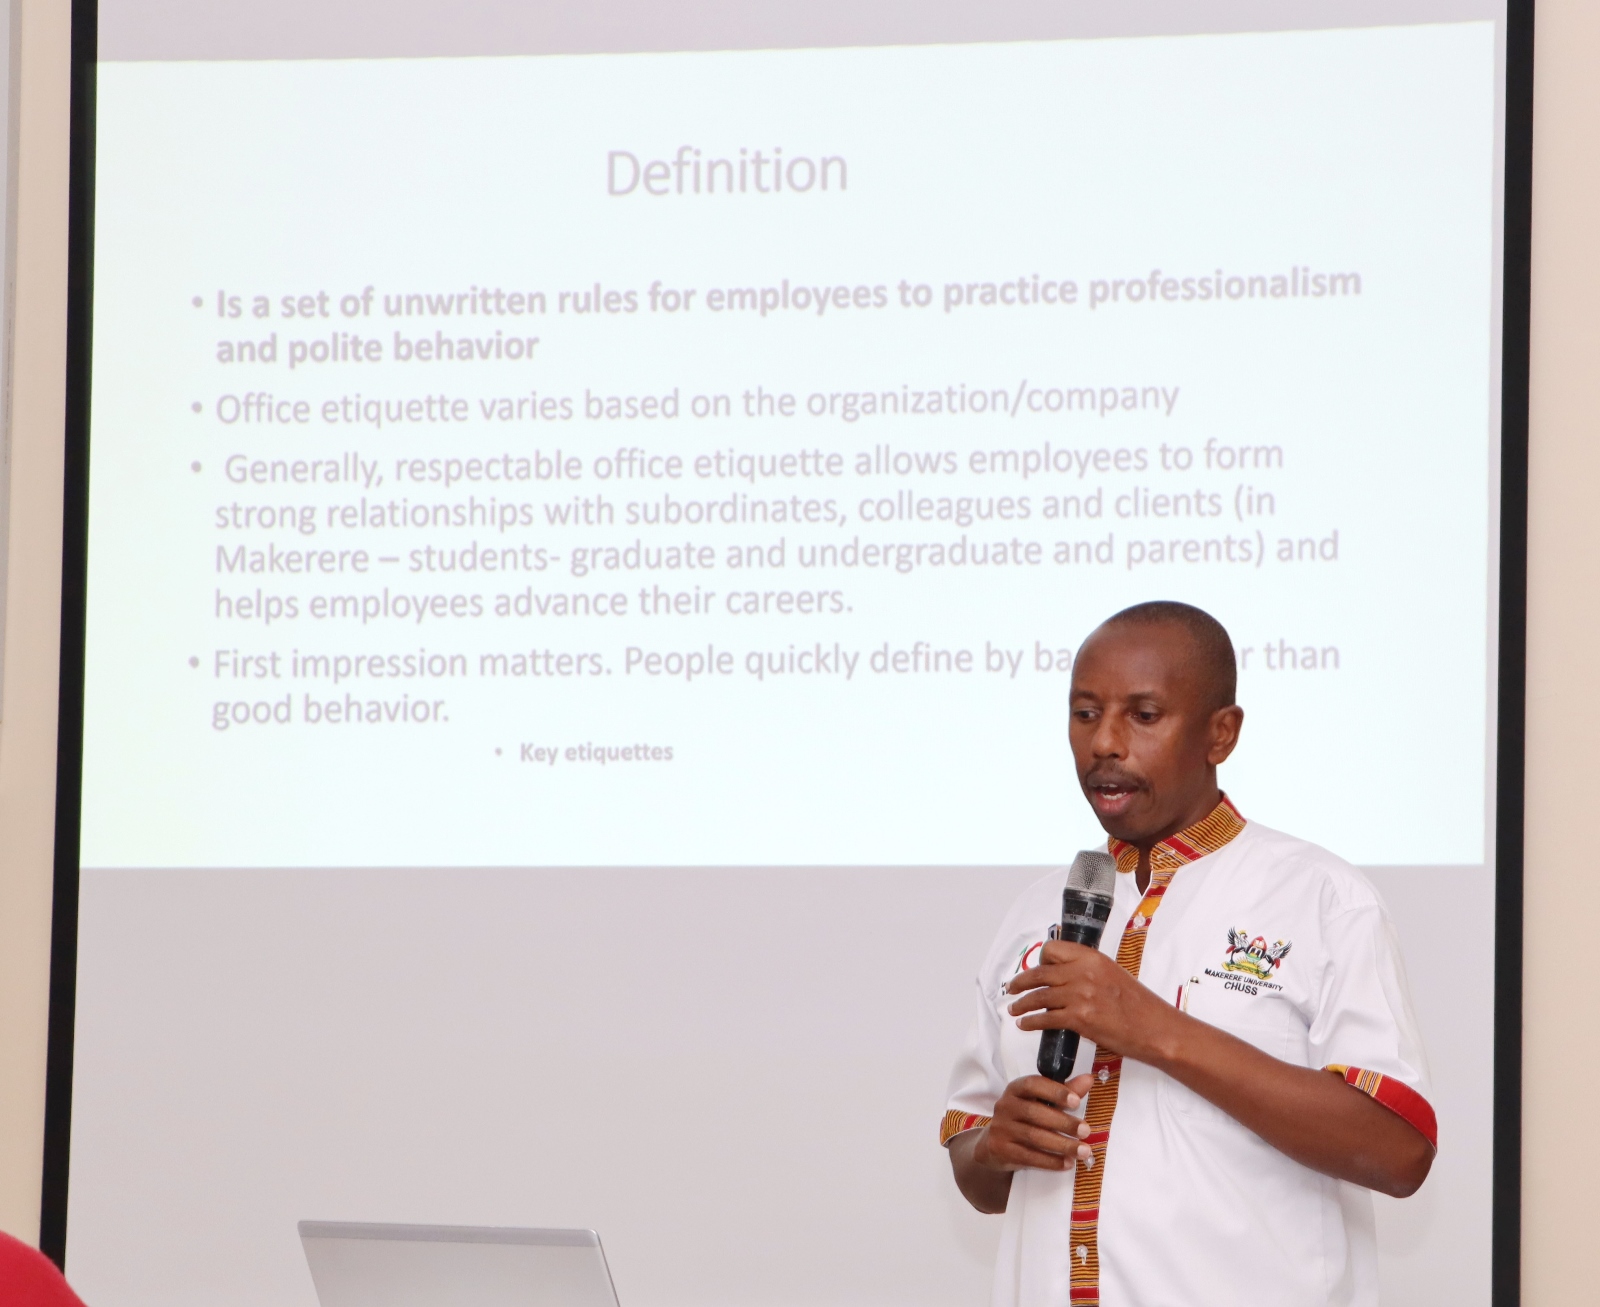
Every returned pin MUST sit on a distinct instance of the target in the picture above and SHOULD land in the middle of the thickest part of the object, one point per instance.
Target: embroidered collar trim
(1207, 835)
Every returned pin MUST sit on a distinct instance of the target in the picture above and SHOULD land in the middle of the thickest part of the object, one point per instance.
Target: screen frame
(1516, 255)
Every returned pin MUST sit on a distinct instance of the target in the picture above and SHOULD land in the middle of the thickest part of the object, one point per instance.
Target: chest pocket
(1267, 1022)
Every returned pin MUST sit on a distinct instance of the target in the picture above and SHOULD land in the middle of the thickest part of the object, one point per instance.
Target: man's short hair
(1213, 650)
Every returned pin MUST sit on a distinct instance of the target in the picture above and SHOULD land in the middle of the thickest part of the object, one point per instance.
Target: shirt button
(1083, 1252)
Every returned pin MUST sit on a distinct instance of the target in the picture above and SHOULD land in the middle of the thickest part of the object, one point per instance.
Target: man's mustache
(1113, 776)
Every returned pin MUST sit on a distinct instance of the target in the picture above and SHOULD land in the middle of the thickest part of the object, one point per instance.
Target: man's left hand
(1311, 1116)
(1079, 988)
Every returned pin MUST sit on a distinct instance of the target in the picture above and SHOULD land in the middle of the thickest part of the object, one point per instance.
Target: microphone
(1085, 908)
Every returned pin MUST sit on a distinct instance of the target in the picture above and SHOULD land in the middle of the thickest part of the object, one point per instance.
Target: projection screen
(590, 510)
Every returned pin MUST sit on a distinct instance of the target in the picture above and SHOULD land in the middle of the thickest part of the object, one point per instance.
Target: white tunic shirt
(1279, 943)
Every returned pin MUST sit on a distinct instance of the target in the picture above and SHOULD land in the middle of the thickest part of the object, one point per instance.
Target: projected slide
(715, 459)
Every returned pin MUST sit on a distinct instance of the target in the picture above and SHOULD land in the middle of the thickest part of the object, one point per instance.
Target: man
(1250, 1063)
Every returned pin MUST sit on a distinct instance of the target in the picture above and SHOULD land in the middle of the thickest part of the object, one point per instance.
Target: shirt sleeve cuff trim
(956, 1123)
(1404, 1101)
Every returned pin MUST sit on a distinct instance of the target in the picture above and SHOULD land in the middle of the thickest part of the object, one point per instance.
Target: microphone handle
(1058, 1050)
(1083, 921)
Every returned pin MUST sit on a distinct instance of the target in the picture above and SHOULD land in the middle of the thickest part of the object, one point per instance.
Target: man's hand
(1072, 988)
(1078, 988)
(1032, 1126)
(1311, 1116)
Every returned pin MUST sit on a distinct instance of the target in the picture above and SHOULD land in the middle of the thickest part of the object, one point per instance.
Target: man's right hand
(1033, 1126)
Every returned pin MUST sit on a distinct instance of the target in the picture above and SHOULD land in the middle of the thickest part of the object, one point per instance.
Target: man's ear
(1226, 723)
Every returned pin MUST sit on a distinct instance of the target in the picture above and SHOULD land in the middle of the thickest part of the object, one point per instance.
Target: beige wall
(1562, 1174)
(28, 709)
(1561, 1133)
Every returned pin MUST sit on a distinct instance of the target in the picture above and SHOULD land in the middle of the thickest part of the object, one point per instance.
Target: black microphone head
(1093, 871)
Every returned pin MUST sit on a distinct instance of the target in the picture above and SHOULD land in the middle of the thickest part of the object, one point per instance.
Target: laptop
(355, 1264)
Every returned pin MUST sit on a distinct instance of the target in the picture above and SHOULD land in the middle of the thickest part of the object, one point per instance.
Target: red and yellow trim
(1205, 836)
(1401, 1099)
(955, 1123)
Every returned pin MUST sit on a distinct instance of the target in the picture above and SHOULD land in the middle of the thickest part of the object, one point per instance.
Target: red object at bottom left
(29, 1279)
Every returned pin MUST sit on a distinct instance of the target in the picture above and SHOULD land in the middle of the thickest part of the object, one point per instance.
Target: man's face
(1145, 733)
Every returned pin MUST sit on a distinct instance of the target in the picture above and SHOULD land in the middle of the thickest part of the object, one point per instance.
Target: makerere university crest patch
(1254, 957)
